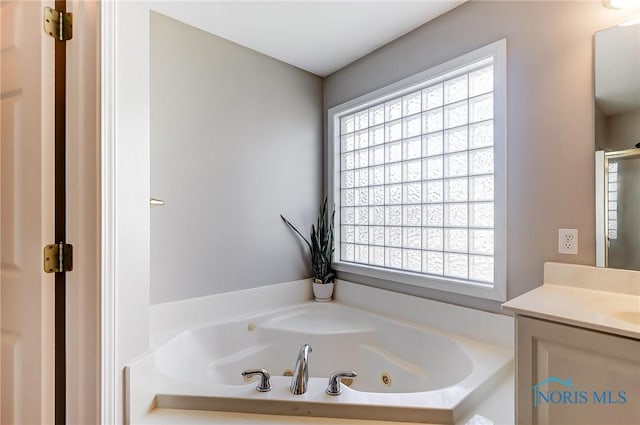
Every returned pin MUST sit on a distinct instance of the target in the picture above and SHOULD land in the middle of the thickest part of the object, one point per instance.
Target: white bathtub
(406, 371)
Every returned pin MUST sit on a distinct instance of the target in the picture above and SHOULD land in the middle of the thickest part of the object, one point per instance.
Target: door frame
(108, 341)
(83, 312)
(125, 194)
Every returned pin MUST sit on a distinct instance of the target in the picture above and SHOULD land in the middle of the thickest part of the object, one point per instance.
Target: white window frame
(497, 290)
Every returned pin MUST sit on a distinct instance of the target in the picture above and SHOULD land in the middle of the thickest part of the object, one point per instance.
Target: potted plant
(321, 250)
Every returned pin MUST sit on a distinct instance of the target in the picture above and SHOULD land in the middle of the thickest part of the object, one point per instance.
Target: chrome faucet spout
(301, 371)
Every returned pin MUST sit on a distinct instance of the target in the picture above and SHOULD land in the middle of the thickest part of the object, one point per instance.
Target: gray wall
(550, 118)
(622, 130)
(236, 139)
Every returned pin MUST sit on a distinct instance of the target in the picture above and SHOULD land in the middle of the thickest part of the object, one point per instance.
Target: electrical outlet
(568, 241)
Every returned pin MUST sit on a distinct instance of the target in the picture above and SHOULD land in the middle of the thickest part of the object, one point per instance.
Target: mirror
(617, 87)
(617, 142)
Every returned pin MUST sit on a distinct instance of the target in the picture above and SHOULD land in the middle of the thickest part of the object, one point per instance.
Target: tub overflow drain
(386, 379)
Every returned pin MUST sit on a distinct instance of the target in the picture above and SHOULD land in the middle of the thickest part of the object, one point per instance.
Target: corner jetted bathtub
(405, 371)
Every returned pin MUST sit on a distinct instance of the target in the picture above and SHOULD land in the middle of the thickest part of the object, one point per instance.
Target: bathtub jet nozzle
(301, 371)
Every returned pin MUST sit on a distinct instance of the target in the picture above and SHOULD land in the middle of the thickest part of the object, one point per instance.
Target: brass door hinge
(58, 258)
(57, 24)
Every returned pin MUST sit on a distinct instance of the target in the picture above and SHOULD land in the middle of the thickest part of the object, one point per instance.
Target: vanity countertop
(604, 300)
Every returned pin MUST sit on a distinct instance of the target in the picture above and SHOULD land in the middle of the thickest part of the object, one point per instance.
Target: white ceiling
(318, 36)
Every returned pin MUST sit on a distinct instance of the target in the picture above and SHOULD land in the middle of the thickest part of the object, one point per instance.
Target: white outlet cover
(568, 241)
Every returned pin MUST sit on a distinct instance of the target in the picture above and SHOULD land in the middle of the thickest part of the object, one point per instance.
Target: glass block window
(418, 178)
(612, 199)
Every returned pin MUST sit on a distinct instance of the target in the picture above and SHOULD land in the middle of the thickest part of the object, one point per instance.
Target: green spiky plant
(320, 243)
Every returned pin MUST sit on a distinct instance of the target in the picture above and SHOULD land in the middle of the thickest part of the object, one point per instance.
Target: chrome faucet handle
(334, 381)
(265, 379)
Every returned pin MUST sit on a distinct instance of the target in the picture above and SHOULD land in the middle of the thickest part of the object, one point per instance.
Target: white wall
(550, 119)
(236, 140)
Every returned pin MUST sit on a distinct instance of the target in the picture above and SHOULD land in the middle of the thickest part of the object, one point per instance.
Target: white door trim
(108, 319)
(125, 196)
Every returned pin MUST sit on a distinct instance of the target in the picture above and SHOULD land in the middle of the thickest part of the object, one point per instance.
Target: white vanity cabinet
(569, 375)
(578, 347)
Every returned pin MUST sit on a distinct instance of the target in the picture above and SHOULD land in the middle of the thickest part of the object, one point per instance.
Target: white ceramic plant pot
(322, 291)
